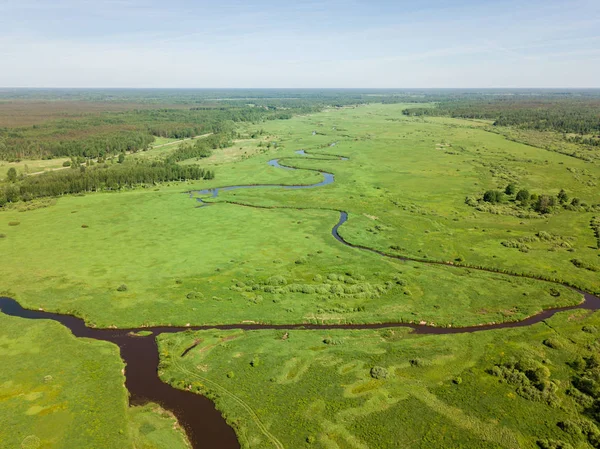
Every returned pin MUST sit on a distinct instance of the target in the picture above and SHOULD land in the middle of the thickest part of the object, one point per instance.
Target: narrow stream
(204, 425)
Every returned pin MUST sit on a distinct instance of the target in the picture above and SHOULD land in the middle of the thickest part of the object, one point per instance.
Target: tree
(575, 201)
(511, 189)
(11, 176)
(121, 158)
(493, 196)
(523, 196)
(562, 196)
(544, 204)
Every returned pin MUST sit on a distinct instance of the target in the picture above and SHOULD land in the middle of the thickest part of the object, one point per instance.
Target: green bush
(122, 288)
(276, 280)
(553, 343)
(553, 444)
(378, 372)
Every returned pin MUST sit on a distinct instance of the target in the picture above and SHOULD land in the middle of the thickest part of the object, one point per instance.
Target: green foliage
(544, 204)
(378, 372)
(493, 196)
(113, 177)
(122, 288)
(562, 196)
(11, 175)
(511, 189)
(523, 196)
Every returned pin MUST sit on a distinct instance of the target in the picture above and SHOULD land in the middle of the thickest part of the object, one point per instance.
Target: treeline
(96, 178)
(200, 149)
(566, 114)
(96, 146)
(110, 133)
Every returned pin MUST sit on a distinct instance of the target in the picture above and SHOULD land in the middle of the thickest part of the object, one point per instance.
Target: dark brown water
(204, 425)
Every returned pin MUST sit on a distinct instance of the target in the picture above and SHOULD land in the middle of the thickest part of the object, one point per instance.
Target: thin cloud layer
(131, 43)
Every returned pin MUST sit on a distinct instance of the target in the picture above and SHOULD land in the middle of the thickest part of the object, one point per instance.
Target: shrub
(569, 426)
(276, 280)
(2, 236)
(553, 444)
(418, 363)
(523, 196)
(230, 374)
(192, 295)
(544, 204)
(255, 361)
(457, 380)
(554, 292)
(378, 372)
(553, 343)
(122, 288)
(14, 223)
(562, 196)
(578, 364)
(66, 164)
(493, 196)
(84, 226)
(590, 329)
(510, 189)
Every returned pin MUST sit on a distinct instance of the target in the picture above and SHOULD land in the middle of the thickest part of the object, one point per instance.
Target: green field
(389, 388)
(48, 399)
(412, 187)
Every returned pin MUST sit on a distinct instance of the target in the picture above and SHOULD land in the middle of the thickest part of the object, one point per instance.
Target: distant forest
(102, 122)
(572, 114)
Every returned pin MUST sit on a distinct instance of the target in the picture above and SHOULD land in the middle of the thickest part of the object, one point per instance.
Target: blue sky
(330, 43)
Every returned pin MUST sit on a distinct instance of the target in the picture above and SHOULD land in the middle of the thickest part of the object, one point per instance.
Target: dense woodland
(112, 133)
(577, 114)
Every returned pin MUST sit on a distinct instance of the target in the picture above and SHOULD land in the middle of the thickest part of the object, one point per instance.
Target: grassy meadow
(389, 388)
(404, 187)
(157, 256)
(49, 400)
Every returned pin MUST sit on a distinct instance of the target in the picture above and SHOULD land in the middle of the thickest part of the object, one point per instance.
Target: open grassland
(228, 264)
(153, 257)
(61, 392)
(407, 178)
(519, 388)
(28, 167)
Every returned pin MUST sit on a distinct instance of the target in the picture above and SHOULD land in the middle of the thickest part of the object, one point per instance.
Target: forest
(578, 114)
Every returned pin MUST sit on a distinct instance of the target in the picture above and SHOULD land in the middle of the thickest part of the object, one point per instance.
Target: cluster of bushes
(100, 177)
(585, 265)
(521, 243)
(523, 199)
(332, 287)
(531, 379)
